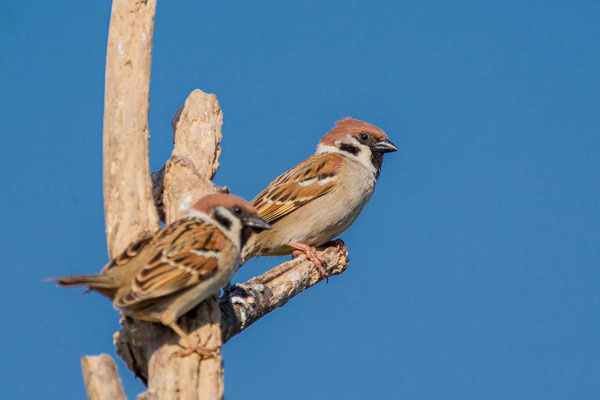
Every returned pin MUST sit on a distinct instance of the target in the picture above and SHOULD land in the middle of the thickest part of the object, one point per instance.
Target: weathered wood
(101, 378)
(244, 304)
(150, 349)
(240, 306)
(132, 198)
(128, 205)
(193, 163)
(195, 157)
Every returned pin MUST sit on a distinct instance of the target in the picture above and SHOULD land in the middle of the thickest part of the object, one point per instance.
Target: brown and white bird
(163, 276)
(321, 197)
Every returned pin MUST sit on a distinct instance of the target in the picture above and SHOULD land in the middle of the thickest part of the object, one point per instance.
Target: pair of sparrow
(163, 276)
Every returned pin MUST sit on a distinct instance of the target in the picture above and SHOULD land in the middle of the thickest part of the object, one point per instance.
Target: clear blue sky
(475, 268)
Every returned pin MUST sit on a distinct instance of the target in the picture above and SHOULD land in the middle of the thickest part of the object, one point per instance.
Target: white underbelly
(326, 217)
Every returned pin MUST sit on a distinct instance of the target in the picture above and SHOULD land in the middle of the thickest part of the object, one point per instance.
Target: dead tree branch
(238, 308)
(128, 206)
(101, 378)
(195, 158)
(149, 349)
(244, 304)
(130, 195)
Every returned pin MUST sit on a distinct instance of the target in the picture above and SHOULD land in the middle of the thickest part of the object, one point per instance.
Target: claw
(296, 253)
(203, 352)
(340, 245)
(319, 263)
(193, 347)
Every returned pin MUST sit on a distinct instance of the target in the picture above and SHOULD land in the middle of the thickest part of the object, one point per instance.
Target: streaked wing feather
(307, 181)
(128, 254)
(190, 250)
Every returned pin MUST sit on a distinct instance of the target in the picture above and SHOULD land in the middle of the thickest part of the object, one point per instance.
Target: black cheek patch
(349, 148)
(223, 220)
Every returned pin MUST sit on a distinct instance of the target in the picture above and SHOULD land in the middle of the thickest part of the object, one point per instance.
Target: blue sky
(475, 268)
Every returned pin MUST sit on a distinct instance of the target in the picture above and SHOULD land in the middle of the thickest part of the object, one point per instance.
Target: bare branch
(195, 158)
(244, 304)
(128, 204)
(239, 308)
(101, 378)
(130, 194)
(149, 349)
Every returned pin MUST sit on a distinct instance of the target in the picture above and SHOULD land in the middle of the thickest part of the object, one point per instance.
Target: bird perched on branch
(321, 197)
(163, 276)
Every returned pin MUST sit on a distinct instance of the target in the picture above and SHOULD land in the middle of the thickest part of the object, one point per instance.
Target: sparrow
(163, 276)
(322, 196)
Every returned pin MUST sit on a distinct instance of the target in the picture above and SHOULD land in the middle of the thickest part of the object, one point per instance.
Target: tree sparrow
(321, 197)
(163, 276)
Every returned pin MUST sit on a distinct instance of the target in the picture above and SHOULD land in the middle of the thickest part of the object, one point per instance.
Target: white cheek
(324, 148)
(233, 233)
(365, 157)
(364, 153)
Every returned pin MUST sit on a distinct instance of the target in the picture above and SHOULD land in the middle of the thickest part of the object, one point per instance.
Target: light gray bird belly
(324, 218)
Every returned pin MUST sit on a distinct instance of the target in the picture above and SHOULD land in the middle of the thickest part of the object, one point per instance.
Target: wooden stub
(195, 157)
(150, 349)
(101, 378)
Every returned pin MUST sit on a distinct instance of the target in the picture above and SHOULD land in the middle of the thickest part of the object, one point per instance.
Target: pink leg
(203, 352)
(302, 248)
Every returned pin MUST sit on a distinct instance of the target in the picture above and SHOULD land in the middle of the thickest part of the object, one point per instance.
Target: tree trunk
(135, 201)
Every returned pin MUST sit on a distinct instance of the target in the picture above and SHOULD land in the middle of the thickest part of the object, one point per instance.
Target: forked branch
(130, 195)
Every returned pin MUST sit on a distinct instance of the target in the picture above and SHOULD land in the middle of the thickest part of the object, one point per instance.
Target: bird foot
(319, 263)
(340, 245)
(203, 352)
(192, 346)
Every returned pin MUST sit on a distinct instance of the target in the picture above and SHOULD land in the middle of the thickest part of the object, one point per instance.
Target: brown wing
(184, 253)
(130, 252)
(298, 186)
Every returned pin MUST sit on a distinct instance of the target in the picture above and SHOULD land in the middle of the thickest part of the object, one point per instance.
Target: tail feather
(103, 284)
(91, 281)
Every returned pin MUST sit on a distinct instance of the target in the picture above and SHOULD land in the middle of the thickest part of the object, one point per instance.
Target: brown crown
(207, 203)
(354, 127)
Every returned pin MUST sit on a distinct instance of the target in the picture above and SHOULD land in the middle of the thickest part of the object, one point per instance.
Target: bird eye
(364, 136)
(237, 210)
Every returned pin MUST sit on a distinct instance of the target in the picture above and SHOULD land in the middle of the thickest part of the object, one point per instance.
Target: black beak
(257, 223)
(385, 146)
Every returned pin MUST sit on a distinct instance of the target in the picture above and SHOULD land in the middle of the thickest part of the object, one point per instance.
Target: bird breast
(325, 217)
